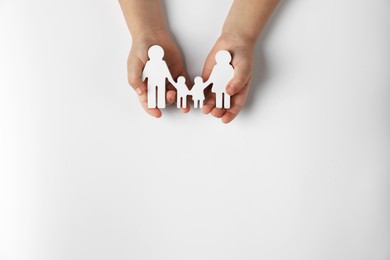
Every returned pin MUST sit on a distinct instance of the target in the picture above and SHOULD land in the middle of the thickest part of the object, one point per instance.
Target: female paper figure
(156, 71)
(220, 76)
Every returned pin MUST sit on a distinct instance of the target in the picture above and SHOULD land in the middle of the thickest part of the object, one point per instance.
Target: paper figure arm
(210, 80)
(169, 76)
(171, 80)
(175, 85)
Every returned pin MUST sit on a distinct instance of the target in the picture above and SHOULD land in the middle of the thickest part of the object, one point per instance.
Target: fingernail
(139, 91)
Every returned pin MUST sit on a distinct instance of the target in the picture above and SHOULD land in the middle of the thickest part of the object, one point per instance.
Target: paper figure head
(198, 80)
(181, 80)
(223, 57)
(156, 53)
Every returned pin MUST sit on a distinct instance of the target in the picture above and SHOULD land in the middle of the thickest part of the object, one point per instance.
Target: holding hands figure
(243, 25)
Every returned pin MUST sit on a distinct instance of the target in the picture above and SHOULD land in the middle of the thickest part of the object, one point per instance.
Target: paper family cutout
(157, 72)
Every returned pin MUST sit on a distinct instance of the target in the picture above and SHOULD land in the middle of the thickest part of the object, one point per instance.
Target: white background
(303, 172)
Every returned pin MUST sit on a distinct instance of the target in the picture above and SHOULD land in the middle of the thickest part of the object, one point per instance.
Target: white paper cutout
(220, 76)
(197, 92)
(157, 72)
(181, 92)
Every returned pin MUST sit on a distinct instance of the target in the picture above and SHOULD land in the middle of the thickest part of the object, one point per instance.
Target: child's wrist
(238, 37)
(150, 34)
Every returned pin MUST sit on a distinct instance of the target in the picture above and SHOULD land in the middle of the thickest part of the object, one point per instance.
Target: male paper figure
(157, 71)
(220, 76)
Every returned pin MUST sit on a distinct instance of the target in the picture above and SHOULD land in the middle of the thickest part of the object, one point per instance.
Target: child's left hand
(242, 53)
(138, 58)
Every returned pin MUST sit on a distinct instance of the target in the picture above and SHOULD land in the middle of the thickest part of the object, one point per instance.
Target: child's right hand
(139, 56)
(238, 88)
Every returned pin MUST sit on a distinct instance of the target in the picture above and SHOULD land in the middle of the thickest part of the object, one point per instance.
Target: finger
(218, 112)
(242, 74)
(134, 73)
(208, 65)
(185, 110)
(232, 113)
(209, 104)
(171, 97)
(238, 102)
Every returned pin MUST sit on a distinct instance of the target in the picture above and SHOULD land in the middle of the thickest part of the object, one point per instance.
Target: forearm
(247, 18)
(143, 16)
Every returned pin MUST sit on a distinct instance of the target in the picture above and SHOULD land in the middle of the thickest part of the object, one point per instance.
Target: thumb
(134, 74)
(208, 66)
(242, 74)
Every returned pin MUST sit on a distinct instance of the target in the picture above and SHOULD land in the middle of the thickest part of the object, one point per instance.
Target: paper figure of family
(157, 73)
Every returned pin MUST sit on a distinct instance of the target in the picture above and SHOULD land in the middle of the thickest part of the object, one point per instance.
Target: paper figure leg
(218, 100)
(160, 97)
(178, 101)
(184, 102)
(226, 101)
(181, 101)
(195, 103)
(151, 97)
(200, 103)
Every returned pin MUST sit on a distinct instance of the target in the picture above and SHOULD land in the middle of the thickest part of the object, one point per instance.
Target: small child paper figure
(182, 92)
(157, 72)
(197, 92)
(220, 76)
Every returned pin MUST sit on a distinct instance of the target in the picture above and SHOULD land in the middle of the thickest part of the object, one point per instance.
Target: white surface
(303, 173)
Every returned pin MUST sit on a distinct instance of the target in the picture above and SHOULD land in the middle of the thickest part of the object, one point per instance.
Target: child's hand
(139, 56)
(242, 53)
